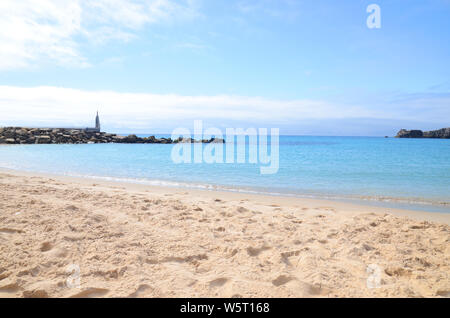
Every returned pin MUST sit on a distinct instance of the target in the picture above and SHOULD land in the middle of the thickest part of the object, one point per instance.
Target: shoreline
(132, 240)
(405, 187)
(341, 204)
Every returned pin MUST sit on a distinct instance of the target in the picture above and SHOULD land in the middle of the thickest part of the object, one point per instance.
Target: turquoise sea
(413, 173)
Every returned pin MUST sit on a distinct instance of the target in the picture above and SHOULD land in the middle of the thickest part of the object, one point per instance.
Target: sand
(74, 237)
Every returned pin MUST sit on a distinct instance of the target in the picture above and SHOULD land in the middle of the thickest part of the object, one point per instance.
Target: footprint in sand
(281, 280)
(9, 230)
(4, 274)
(139, 291)
(397, 271)
(72, 208)
(46, 246)
(178, 259)
(38, 293)
(91, 293)
(290, 254)
(9, 286)
(252, 251)
(234, 252)
(219, 282)
(313, 289)
(443, 293)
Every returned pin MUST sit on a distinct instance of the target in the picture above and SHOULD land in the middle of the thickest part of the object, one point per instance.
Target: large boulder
(8, 133)
(43, 140)
(132, 139)
(118, 139)
(165, 140)
(22, 132)
(218, 140)
(149, 140)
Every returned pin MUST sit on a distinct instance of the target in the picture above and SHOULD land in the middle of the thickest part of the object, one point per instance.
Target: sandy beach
(131, 240)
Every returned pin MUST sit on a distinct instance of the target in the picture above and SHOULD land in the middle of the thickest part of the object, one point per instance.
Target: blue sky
(308, 67)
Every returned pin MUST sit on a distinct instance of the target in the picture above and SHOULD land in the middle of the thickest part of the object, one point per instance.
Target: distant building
(97, 122)
(97, 125)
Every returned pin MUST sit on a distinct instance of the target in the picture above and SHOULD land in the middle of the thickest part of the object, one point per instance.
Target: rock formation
(23, 135)
(440, 133)
(403, 133)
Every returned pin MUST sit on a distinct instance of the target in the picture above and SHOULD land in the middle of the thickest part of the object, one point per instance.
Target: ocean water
(414, 172)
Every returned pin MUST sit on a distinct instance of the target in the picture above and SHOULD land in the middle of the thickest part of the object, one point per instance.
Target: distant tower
(97, 122)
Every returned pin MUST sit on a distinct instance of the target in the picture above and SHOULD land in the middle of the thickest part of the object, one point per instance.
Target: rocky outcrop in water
(403, 133)
(23, 135)
(440, 133)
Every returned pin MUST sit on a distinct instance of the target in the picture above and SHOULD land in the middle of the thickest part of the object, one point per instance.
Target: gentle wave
(413, 203)
(173, 184)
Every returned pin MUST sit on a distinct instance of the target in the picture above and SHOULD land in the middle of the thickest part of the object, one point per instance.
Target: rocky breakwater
(440, 133)
(23, 135)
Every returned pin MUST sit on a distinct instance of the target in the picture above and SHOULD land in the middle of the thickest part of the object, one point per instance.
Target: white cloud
(37, 31)
(51, 106)
(32, 29)
(135, 14)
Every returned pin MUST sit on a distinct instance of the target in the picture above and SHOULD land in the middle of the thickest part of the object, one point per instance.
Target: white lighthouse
(93, 129)
(97, 122)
